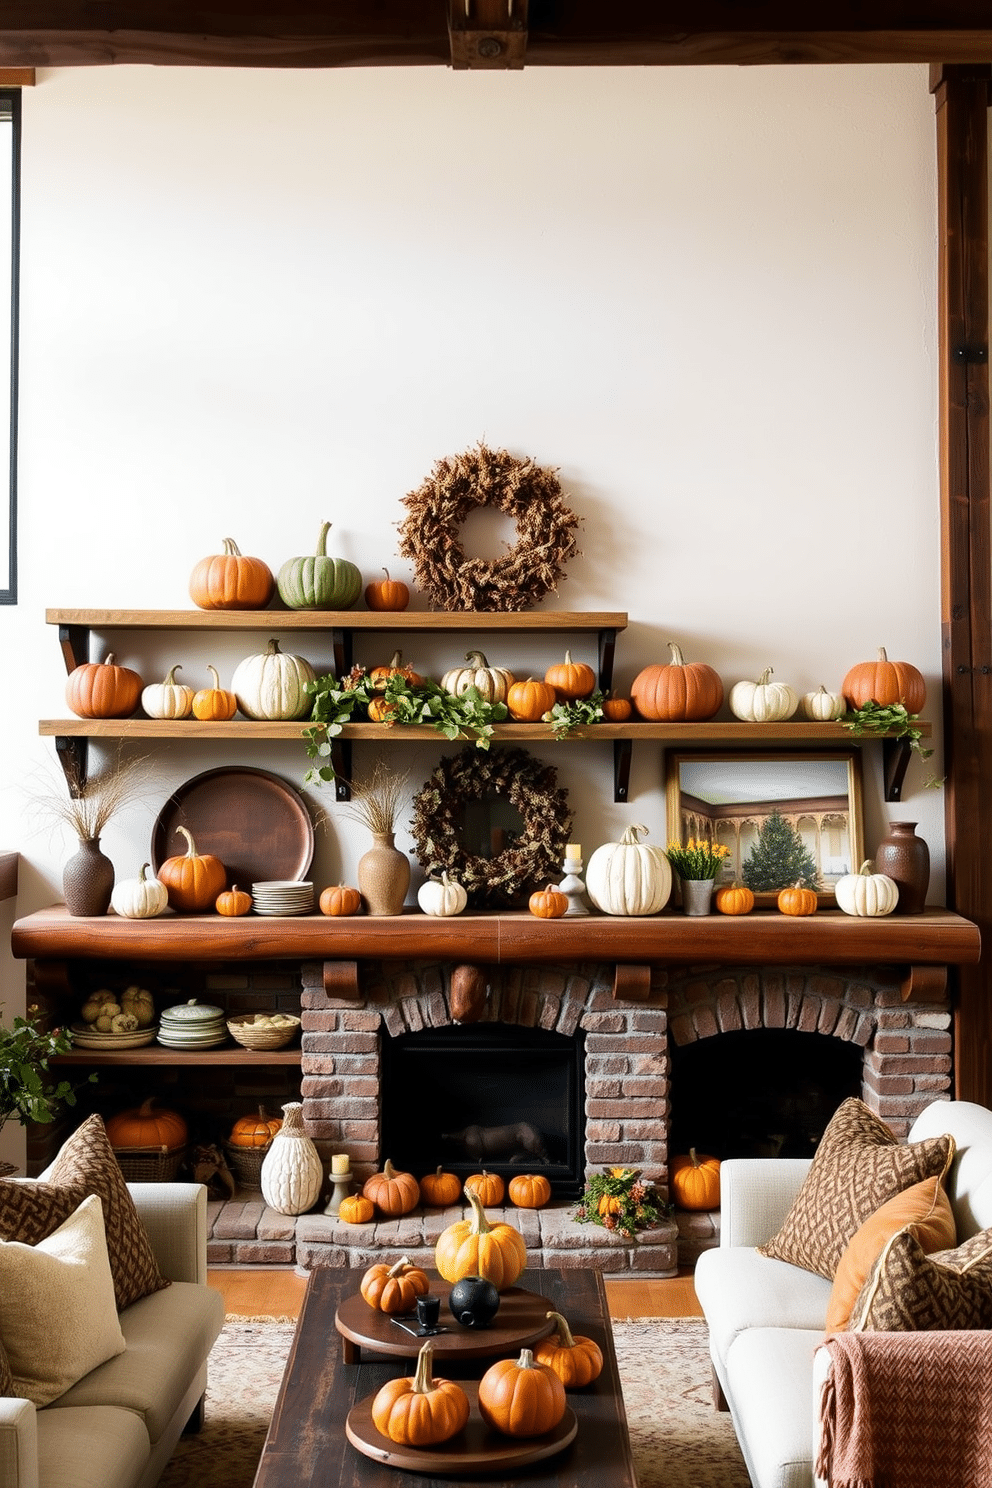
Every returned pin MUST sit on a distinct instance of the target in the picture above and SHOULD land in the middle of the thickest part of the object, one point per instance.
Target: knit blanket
(907, 1410)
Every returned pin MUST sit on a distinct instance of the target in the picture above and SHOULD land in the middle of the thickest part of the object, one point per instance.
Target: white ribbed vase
(292, 1174)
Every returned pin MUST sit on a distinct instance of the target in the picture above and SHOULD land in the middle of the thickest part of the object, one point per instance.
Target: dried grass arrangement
(87, 803)
(376, 801)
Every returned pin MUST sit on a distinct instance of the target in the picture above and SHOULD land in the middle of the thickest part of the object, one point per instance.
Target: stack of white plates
(282, 896)
(192, 1025)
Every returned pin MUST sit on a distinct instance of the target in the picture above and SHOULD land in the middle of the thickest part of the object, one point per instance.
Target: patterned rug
(678, 1439)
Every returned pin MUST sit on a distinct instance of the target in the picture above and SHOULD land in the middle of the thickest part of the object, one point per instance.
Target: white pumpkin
(493, 682)
(292, 1174)
(763, 701)
(168, 699)
(140, 898)
(441, 896)
(823, 706)
(867, 894)
(629, 877)
(273, 684)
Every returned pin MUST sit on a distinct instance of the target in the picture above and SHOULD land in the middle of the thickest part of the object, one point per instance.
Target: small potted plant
(698, 864)
(28, 1092)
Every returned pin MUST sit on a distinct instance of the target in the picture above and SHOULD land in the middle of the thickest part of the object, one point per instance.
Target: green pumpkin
(318, 582)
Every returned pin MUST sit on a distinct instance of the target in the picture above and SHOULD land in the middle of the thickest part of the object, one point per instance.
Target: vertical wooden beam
(962, 100)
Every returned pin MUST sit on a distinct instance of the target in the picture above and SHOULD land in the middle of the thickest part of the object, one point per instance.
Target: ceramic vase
(697, 895)
(906, 859)
(88, 879)
(292, 1174)
(383, 876)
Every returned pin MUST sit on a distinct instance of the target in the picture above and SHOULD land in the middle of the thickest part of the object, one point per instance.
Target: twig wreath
(529, 493)
(535, 857)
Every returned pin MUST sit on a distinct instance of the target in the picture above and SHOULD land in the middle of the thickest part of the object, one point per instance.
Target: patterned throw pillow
(30, 1211)
(6, 1378)
(909, 1291)
(857, 1167)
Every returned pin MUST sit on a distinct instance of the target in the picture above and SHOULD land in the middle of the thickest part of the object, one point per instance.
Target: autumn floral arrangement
(621, 1200)
(697, 859)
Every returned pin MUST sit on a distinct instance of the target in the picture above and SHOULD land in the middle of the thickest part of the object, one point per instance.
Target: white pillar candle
(574, 850)
(339, 1162)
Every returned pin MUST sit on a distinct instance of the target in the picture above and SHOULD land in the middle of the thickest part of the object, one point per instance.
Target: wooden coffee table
(307, 1445)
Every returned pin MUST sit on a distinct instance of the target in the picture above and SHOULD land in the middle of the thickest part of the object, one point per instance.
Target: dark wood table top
(307, 1446)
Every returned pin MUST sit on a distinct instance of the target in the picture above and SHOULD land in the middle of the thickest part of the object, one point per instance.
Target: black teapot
(474, 1302)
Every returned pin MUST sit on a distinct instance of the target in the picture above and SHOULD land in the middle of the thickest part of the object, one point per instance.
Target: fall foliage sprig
(620, 1200)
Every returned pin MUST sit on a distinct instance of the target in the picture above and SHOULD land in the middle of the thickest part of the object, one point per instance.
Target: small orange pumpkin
(440, 1188)
(356, 1209)
(797, 900)
(387, 593)
(610, 1204)
(530, 1190)
(233, 901)
(193, 880)
(734, 899)
(141, 1126)
(255, 1131)
(617, 709)
(214, 704)
(380, 711)
(575, 1359)
(419, 1410)
(520, 1397)
(695, 1181)
(391, 1191)
(380, 675)
(570, 679)
(885, 682)
(548, 904)
(528, 701)
(231, 581)
(394, 1288)
(489, 1187)
(340, 900)
(102, 689)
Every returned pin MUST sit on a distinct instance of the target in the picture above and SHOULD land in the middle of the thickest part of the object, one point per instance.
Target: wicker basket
(244, 1032)
(246, 1163)
(149, 1164)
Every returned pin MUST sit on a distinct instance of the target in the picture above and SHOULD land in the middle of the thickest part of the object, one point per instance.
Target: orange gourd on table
(570, 679)
(797, 900)
(233, 902)
(102, 689)
(387, 593)
(341, 900)
(548, 904)
(520, 1397)
(885, 682)
(489, 1187)
(193, 880)
(255, 1131)
(695, 1181)
(440, 1188)
(394, 1288)
(474, 1247)
(677, 691)
(575, 1359)
(356, 1209)
(530, 1190)
(231, 581)
(214, 704)
(391, 1191)
(734, 899)
(418, 1410)
(528, 701)
(145, 1126)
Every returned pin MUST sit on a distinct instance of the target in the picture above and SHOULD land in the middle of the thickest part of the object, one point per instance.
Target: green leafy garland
(892, 719)
(619, 1200)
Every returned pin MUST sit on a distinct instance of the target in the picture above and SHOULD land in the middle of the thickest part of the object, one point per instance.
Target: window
(10, 138)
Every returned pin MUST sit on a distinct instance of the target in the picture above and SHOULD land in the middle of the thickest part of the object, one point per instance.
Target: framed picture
(785, 817)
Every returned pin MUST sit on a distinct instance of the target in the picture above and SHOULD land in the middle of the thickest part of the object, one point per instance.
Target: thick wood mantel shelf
(829, 938)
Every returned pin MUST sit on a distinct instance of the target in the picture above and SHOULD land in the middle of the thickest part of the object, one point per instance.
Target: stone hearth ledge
(244, 1231)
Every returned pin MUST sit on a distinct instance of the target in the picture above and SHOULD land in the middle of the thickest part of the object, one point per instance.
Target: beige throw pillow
(58, 1317)
(857, 1167)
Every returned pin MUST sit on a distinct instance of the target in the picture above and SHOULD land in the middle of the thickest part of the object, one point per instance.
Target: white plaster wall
(255, 300)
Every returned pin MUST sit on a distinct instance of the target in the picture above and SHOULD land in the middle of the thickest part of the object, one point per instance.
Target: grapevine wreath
(533, 860)
(531, 494)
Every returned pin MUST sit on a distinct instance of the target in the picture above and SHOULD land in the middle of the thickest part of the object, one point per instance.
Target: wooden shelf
(461, 621)
(158, 1054)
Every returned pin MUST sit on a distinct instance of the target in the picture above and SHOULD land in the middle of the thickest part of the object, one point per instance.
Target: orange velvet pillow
(924, 1210)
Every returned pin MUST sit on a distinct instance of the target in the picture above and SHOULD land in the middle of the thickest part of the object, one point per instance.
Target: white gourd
(493, 682)
(441, 896)
(273, 684)
(168, 699)
(629, 877)
(292, 1174)
(140, 898)
(763, 701)
(823, 706)
(865, 893)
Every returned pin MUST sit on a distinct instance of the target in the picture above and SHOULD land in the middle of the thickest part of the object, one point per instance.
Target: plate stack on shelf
(192, 1025)
(282, 896)
(85, 1036)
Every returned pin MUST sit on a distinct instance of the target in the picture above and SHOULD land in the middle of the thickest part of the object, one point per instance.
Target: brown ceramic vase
(906, 859)
(88, 879)
(383, 876)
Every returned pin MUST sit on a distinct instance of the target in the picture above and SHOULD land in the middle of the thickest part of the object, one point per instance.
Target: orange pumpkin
(233, 901)
(570, 679)
(734, 899)
(102, 689)
(419, 1410)
(214, 704)
(548, 904)
(141, 1126)
(677, 691)
(387, 594)
(193, 880)
(379, 710)
(394, 1288)
(489, 1187)
(575, 1359)
(255, 1131)
(380, 675)
(520, 1397)
(695, 1181)
(797, 900)
(474, 1247)
(609, 1204)
(391, 1191)
(528, 701)
(530, 1190)
(440, 1188)
(231, 581)
(885, 682)
(617, 709)
(340, 901)
(356, 1209)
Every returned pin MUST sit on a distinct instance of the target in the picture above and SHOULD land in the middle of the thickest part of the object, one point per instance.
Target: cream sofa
(766, 1316)
(119, 1425)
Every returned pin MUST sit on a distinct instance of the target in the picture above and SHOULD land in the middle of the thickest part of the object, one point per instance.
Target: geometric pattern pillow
(6, 1378)
(857, 1167)
(87, 1162)
(912, 1292)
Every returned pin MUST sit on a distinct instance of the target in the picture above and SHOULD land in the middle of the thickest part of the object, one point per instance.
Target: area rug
(678, 1439)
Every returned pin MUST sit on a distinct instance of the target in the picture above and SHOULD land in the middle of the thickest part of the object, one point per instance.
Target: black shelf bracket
(341, 765)
(895, 759)
(75, 643)
(607, 652)
(72, 755)
(622, 749)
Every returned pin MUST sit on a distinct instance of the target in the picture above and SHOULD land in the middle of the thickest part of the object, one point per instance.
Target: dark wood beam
(559, 33)
(962, 100)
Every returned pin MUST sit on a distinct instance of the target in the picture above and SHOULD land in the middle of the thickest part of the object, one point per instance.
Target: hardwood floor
(259, 1291)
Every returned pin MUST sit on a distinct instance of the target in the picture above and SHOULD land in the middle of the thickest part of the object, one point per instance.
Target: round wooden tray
(476, 1448)
(521, 1321)
(255, 822)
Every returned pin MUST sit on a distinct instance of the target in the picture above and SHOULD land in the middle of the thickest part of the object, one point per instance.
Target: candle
(574, 850)
(339, 1162)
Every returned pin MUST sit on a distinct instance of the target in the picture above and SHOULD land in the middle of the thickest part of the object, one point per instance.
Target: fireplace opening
(494, 1096)
(759, 1092)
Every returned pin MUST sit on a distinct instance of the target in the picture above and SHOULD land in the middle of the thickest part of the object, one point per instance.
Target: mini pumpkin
(734, 899)
(442, 897)
(529, 1190)
(885, 682)
(193, 880)
(356, 1209)
(575, 1359)
(440, 1189)
(392, 1191)
(865, 893)
(380, 711)
(823, 706)
(548, 904)
(379, 676)
(231, 581)
(617, 709)
(341, 900)
(570, 679)
(394, 1288)
(233, 902)
(387, 593)
(140, 898)
(677, 691)
(214, 704)
(489, 1187)
(520, 1397)
(168, 699)
(695, 1181)
(102, 689)
(419, 1410)
(474, 1247)
(763, 701)
(528, 701)
(797, 900)
(254, 1131)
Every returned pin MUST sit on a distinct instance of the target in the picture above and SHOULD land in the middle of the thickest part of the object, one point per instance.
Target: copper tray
(255, 822)
(522, 1321)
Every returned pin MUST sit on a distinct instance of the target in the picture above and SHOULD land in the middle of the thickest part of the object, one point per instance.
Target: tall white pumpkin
(272, 685)
(629, 877)
(292, 1173)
